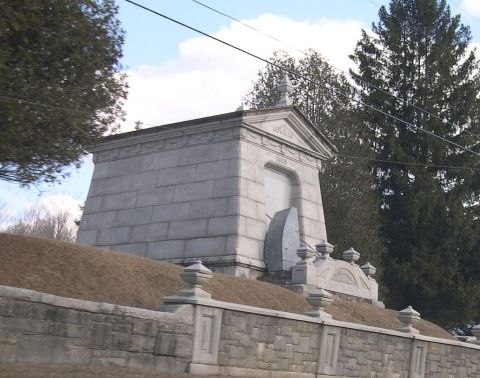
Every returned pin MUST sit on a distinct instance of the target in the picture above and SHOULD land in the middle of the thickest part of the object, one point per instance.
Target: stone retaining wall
(43, 328)
(205, 336)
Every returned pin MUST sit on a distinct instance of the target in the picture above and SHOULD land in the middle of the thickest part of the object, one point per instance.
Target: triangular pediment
(290, 125)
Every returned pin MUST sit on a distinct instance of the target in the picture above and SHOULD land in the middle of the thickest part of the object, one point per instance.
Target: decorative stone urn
(350, 255)
(305, 253)
(368, 269)
(476, 332)
(319, 300)
(195, 276)
(408, 316)
(324, 248)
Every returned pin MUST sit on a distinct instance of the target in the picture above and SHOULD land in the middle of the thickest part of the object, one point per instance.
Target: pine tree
(420, 53)
(60, 83)
(350, 206)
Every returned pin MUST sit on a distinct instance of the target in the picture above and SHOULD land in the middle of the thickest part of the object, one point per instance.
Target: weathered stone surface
(167, 249)
(171, 212)
(149, 232)
(45, 328)
(193, 191)
(117, 235)
(201, 247)
(133, 217)
(198, 154)
(187, 229)
(209, 208)
(138, 249)
(176, 175)
(119, 201)
(165, 159)
(282, 241)
(203, 177)
(216, 337)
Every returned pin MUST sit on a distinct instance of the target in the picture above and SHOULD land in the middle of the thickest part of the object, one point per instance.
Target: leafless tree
(41, 222)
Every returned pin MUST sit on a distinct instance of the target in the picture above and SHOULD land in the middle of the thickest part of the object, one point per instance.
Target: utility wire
(461, 9)
(166, 127)
(402, 101)
(36, 103)
(418, 164)
(249, 26)
(293, 73)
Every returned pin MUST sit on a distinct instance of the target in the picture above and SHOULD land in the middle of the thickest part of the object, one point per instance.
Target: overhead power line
(295, 74)
(139, 123)
(411, 163)
(249, 26)
(36, 103)
(368, 84)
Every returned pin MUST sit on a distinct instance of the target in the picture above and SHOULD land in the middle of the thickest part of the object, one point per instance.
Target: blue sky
(175, 74)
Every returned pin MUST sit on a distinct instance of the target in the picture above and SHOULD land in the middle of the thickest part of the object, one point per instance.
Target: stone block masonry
(42, 328)
(205, 336)
(160, 192)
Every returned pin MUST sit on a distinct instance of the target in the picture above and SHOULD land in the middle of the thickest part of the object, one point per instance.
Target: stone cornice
(221, 128)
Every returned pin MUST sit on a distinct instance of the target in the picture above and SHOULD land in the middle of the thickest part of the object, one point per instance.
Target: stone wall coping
(113, 309)
(93, 307)
(212, 123)
(328, 322)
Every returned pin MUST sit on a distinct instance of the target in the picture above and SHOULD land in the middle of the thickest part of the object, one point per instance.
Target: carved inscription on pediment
(284, 131)
(344, 276)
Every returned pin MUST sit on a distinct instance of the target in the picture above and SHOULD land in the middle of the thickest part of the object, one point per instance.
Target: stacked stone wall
(266, 343)
(42, 328)
(445, 360)
(367, 354)
(204, 336)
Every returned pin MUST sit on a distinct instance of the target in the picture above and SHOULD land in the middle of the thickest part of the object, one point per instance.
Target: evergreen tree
(349, 201)
(420, 53)
(60, 86)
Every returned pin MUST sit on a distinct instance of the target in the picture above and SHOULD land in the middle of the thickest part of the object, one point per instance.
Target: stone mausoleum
(238, 191)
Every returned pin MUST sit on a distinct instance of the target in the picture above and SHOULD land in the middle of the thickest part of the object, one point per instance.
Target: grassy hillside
(83, 272)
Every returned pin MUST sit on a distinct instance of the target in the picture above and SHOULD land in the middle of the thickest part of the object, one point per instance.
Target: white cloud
(471, 6)
(208, 78)
(51, 204)
(60, 202)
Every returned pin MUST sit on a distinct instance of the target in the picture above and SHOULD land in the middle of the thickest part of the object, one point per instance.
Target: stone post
(304, 271)
(408, 316)
(195, 276)
(319, 300)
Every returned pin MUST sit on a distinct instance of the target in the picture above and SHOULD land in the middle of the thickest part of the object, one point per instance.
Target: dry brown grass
(83, 272)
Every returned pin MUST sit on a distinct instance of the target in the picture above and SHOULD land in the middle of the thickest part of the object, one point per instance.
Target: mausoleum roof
(290, 112)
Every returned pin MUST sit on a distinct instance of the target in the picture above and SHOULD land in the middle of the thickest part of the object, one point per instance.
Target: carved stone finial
(476, 336)
(408, 316)
(285, 90)
(195, 276)
(368, 269)
(241, 107)
(324, 248)
(319, 300)
(350, 255)
(476, 331)
(305, 253)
